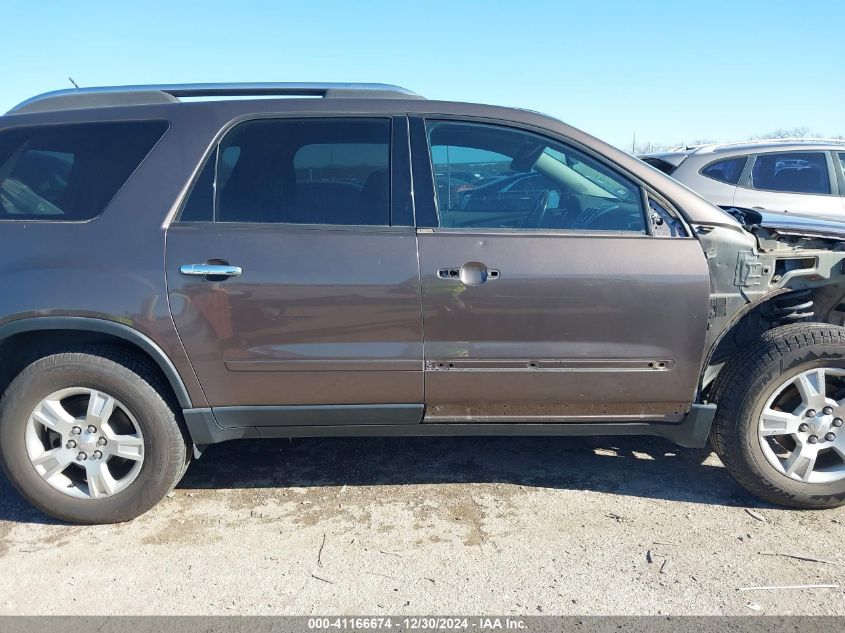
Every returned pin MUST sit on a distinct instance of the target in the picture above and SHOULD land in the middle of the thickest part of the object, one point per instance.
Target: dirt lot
(421, 526)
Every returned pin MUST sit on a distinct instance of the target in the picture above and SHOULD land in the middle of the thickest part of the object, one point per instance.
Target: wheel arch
(86, 329)
(756, 317)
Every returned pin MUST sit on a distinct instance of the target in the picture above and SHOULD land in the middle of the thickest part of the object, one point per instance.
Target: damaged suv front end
(775, 365)
(775, 270)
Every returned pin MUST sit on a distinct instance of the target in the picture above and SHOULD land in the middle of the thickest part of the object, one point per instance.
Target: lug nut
(830, 437)
(812, 439)
(837, 422)
(92, 429)
(76, 430)
(82, 457)
(71, 444)
(98, 454)
(102, 441)
(811, 413)
(804, 427)
(827, 410)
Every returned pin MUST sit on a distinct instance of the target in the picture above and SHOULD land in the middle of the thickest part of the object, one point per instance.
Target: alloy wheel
(801, 428)
(84, 443)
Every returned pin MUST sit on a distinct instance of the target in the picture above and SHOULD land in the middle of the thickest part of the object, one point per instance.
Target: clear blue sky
(668, 71)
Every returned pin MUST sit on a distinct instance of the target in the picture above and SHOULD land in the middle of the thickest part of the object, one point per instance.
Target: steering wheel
(535, 219)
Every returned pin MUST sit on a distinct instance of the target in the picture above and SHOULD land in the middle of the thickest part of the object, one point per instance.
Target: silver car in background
(803, 176)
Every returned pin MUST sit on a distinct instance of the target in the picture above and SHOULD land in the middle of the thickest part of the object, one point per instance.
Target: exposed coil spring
(792, 307)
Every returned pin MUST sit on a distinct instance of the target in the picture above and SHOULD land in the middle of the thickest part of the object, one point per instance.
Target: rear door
(553, 300)
(293, 278)
(794, 181)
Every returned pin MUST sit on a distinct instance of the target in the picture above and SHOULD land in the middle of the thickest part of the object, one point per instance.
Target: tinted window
(728, 170)
(305, 171)
(496, 177)
(842, 162)
(795, 172)
(69, 172)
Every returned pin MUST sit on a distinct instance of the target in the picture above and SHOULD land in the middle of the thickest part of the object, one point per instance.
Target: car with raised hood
(804, 176)
(179, 272)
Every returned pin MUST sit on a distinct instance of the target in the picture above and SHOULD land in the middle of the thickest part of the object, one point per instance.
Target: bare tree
(794, 132)
(647, 147)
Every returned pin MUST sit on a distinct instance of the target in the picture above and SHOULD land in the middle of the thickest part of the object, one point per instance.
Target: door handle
(470, 274)
(210, 270)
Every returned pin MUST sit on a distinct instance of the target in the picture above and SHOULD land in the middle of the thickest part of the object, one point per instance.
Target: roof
(107, 96)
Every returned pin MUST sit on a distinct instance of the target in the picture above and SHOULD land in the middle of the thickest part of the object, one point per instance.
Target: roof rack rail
(105, 96)
(796, 140)
(765, 141)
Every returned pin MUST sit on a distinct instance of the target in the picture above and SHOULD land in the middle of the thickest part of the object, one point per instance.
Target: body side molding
(319, 415)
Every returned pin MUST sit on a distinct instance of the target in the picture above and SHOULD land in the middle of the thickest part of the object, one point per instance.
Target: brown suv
(178, 273)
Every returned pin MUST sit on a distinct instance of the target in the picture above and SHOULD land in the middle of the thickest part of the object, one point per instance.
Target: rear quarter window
(727, 170)
(70, 172)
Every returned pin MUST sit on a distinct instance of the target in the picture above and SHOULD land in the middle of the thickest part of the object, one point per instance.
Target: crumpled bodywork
(776, 270)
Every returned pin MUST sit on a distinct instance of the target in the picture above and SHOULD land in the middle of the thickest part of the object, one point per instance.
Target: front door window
(494, 177)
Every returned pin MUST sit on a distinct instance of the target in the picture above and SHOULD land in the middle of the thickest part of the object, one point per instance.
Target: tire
(143, 400)
(747, 384)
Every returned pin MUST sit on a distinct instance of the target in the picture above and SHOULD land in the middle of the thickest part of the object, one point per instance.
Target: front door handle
(470, 274)
(211, 270)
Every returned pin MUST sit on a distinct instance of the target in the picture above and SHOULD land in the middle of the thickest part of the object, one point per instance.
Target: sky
(666, 71)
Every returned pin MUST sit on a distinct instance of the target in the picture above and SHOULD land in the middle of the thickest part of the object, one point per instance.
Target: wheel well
(19, 350)
(823, 305)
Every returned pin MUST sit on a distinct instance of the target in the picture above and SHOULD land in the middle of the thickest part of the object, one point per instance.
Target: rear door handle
(211, 270)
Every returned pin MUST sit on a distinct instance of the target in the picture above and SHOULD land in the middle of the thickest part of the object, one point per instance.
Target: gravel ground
(433, 526)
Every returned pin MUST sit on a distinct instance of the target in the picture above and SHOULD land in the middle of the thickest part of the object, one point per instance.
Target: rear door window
(69, 172)
(727, 170)
(298, 171)
(792, 172)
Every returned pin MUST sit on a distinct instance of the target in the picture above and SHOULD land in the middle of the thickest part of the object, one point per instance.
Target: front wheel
(89, 437)
(781, 409)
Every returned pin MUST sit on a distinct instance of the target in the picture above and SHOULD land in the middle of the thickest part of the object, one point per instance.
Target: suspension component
(792, 307)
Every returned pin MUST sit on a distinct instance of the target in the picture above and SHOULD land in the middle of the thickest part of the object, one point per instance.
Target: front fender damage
(771, 272)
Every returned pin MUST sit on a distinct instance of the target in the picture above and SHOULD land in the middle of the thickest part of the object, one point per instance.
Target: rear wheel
(90, 437)
(781, 410)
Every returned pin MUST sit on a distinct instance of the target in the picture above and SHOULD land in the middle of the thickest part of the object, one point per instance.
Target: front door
(545, 296)
(293, 277)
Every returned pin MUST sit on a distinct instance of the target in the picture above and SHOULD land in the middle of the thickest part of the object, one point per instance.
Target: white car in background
(803, 176)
